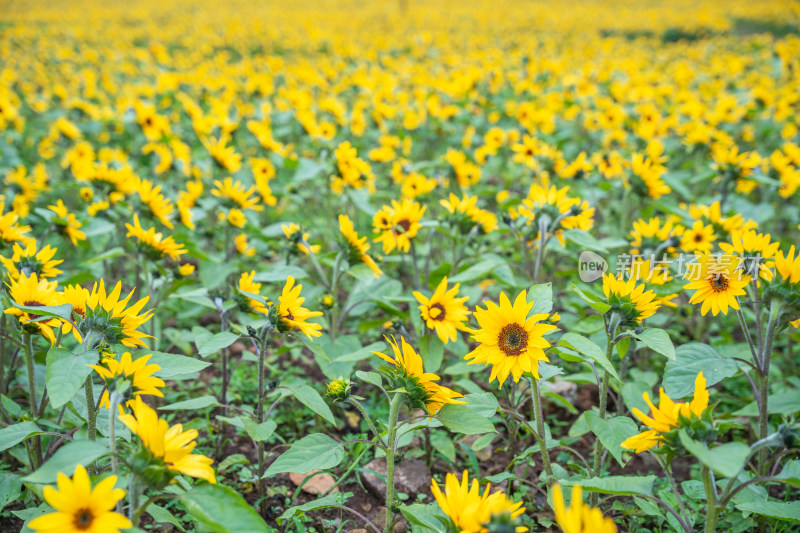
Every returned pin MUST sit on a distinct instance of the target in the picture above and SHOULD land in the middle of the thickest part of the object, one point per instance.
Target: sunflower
(357, 247)
(473, 512)
(138, 373)
(299, 238)
(444, 312)
(699, 237)
(756, 250)
(32, 291)
(10, 231)
(292, 314)
(630, 301)
(246, 284)
(718, 280)
(421, 387)
(150, 194)
(398, 224)
(242, 246)
(649, 235)
(235, 194)
(168, 445)
(153, 243)
(29, 260)
(105, 316)
(70, 224)
(665, 417)
(579, 517)
(510, 340)
(81, 508)
(225, 156)
(467, 214)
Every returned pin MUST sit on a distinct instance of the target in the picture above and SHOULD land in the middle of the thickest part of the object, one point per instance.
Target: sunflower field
(386, 267)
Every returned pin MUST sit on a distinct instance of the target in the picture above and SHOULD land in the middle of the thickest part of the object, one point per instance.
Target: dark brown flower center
(436, 312)
(83, 519)
(32, 303)
(513, 339)
(698, 237)
(719, 283)
(405, 224)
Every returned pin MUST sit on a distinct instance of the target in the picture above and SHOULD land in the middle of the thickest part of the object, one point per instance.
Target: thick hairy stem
(394, 409)
(355, 403)
(711, 497)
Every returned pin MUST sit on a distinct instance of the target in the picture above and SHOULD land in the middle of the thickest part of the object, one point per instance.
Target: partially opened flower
(30, 291)
(153, 244)
(79, 508)
(421, 387)
(247, 285)
(444, 312)
(629, 301)
(473, 512)
(137, 372)
(167, 445)
(510, 340)
(69, 223)
(27, 260)
(356, 247)
(292, 314)
(718, 280)
(667, 416)
(579, 517)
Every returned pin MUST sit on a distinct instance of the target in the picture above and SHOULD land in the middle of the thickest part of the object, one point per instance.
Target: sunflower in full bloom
(700, 237)
(79, 508)
(473, 512)
(292, 314)
(666, 416)
(138, 373)
(246, 284)
(224, 155)
(579, 517)
(444, 312)
(167, 445)
(467, 214)
(10, 231)
(29, 260)
(630, 301)
(398, 224)
(154, 244)
(32, 291)
(755, 249)
(70, 224)
(105, 317)
(653, 234)
(407, 373)
(234, 194)
(510, 340)
(545, 202)
(717, 280)
(151, 196)
(785, 285)
(356, 247)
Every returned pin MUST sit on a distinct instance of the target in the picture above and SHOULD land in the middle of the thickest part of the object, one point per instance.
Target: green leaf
(790, 474)
(12, 435)
(657, 340)
(443, 444)
(785, 402)
(370, 377)
(175, 365)
(299, 511)
(541, 295)
(431, 349)
(63, 311)
(216, 343)
(462, 419)
(621, 485)
(612, 432)
(72, 454)
(478, 270)
(309, 397)
(10, 488)
(259, 432)
(280, 273)
(220, 509)
(425, 518)
(726, 459)
(483, 403)
(586, 347)
(584, 240)
(788, 511)
(195, 403)
(312, 452)
(690, 359)
(66, 373)
(594, 302)
(162, 514)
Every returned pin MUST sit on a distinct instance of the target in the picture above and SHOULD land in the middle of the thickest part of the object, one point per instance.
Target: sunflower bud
(339, 389)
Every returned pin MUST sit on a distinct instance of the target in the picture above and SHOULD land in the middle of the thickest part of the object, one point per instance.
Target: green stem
(91, 417)
(112, 438)
(766, 357)
(537, 415)
(394, 409)
(416, 267)
(711, 497)
(355, 403)
(134, 511)
(27, 342)
(335, 275)
(746, 331)
(603, 400)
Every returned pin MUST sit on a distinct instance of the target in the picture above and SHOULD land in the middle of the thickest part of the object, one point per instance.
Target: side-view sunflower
(579, 517)
(31, 291)
(292, 314)
(755, 249)
(138, 373)
(29, 260)
(665, 417)
(629, 301)
(246, 284)
(10, 231)
(510, 340)
(154, 244)
(473, 512)
(80, 508)
(718, 280)
(420, 386)
(167, 445)
(356, 247)
(71, 226)
(444, 312)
